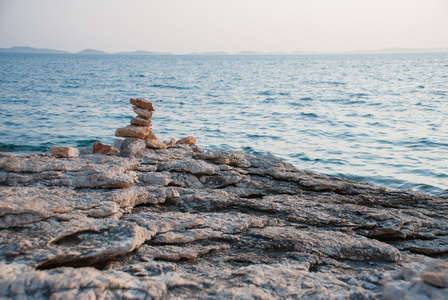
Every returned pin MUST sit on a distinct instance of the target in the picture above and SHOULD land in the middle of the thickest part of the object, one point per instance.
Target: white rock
(65, 152)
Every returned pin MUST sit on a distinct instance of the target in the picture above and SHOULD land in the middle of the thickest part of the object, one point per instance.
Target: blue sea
(381, 119)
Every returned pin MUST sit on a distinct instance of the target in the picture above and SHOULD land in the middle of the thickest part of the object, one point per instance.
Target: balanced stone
(66, 152)
(141, 128)
(139, 121)
(132, 131)
(142, 103)
(144, 113)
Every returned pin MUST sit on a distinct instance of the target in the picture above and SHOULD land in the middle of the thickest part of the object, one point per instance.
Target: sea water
(380, 119)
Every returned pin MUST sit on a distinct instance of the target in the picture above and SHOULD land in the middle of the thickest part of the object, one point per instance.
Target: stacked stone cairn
(141, 128)
(137, 136)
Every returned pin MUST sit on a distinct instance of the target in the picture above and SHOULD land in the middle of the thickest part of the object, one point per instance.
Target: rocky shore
(182, 222)
(146, 219)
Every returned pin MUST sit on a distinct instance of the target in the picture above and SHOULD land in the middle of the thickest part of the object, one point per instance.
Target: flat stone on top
(142, 103)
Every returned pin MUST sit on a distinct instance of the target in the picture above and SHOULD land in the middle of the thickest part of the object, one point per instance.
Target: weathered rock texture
(184, 223)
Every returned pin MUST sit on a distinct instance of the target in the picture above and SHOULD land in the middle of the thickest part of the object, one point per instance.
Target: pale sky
(185, 26)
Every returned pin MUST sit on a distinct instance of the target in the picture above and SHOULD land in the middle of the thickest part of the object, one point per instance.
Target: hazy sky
(185, 26)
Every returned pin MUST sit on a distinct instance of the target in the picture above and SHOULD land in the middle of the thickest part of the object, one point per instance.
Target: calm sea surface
(381, 119)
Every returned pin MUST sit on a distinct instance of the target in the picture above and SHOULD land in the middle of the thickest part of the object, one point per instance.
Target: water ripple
(321, 112)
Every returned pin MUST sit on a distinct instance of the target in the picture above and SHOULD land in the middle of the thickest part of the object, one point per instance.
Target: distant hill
(418, 50)
(249, 53)
(275, 53)
(31, 50)
(142, 52)
(91, 51)
(211, 53)
(398, 50)
(304, 52)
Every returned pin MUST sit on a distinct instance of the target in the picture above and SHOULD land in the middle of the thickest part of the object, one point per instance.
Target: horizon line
(90, 51)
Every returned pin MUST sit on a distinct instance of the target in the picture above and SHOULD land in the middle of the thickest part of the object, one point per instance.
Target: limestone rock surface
(418, 280)
(182, 222)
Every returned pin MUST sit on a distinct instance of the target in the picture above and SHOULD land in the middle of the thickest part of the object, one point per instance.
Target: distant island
(17, 49)
(31, 50)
